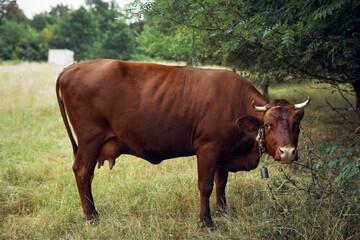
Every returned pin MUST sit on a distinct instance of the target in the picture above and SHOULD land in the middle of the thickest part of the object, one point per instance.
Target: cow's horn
(302, 105)
(257, 108)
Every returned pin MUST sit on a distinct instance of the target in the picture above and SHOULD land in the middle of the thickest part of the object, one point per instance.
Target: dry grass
(137, 200)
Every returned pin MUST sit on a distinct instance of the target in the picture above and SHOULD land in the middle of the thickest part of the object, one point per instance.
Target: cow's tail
(64, 117)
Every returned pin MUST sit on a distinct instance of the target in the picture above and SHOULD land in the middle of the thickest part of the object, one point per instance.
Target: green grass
(137, 200)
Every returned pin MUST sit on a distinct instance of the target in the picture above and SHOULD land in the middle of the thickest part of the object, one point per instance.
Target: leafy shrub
(321, 199)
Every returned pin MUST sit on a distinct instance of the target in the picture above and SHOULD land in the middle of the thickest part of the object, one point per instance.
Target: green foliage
(327, 8)
(115, 40)
(12, 40)
(303, 39)
(19, 42)
(341, 163)
(94, 33)
(177, 43)
(138, 57)
(118, 42)
(40, 21)
(103, 12)
(288, 38)
(10, 10)
(159, 45)
(35, 46)
(59, 11)
(77, 31)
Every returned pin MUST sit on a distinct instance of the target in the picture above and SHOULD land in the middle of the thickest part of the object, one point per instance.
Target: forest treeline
(93, 32)
(267, 41)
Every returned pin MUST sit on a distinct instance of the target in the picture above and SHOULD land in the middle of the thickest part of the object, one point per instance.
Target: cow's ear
(248, 123)
(299, 114)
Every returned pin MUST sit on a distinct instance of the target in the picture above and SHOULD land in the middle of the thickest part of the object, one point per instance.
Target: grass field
(137, 200)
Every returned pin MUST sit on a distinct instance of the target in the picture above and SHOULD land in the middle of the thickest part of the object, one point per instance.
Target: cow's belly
(154, 143)
(235, 163)
(154, 153)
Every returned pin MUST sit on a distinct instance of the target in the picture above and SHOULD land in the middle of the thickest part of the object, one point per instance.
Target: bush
(118, 42)
(138, 57)
(318, 197)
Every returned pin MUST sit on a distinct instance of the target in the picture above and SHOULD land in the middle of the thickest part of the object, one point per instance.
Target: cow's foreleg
(207, 160)
(83, 168)
(221, 177)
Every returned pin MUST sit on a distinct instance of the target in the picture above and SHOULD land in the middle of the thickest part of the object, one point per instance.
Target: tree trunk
(356, 86)
(265, 89)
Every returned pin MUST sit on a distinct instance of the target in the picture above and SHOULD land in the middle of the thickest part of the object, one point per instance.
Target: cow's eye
(296, 125)
(267, 126)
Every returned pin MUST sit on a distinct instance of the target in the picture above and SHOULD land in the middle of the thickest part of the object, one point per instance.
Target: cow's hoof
(93, 218)
(210, 229)
(207, 225)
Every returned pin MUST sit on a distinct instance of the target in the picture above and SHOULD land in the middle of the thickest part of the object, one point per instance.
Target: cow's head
(281, 128)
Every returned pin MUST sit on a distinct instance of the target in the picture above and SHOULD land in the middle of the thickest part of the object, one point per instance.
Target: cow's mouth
(285, 161)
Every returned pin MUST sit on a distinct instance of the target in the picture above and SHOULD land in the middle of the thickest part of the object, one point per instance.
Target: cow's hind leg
(83, 168)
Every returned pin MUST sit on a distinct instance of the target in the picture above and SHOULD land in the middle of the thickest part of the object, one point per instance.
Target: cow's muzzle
(286, 154)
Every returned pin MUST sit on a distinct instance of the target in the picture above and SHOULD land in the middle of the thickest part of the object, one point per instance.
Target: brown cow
(158, 112)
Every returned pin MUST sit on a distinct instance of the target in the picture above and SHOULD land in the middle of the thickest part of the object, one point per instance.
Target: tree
(118, 42)
(59, 11)
(116, 39)
(167, 39)
(77, 31)
(40, 21)
(171, 44)
(103, 12)
(305, 39)
(20, 42)
(12, 40)
(36, 45)
(10, 10)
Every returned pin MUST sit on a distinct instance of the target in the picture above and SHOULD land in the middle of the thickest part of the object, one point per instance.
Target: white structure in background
(60, 56)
